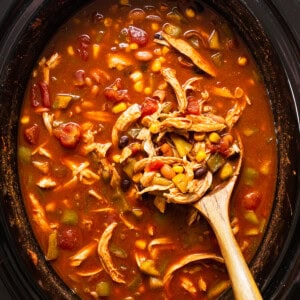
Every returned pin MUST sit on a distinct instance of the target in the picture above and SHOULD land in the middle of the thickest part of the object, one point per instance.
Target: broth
(132, 108)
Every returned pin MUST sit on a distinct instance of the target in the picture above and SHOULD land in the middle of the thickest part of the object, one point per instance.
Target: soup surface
(134, 111)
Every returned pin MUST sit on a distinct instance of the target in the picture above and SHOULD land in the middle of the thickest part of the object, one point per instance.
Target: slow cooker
(272, 30)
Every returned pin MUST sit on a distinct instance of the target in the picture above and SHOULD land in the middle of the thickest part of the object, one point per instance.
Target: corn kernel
(119, 107)
(116, 158)
(214, 137)
(162, 59)
(154, 128)
(242, 61)
(265, 168)
(136, 76)
(133, 46)
(96, 51)
(156, 65)
(165, 50)
(70, 50)
(190, 13)
(137, 177)
(226, 171)
(178, 169)
(141, 244)
(108, 22)
(139, 86)
(148, 91)
(155, 26)
(25, 120)
(200, 156)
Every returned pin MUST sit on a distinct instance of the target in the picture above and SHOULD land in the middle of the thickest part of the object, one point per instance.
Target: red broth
(131, 109)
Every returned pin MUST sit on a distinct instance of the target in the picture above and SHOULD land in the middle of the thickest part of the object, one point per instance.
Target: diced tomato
(115, 92)
(252, 200)
(68, 134)
(31, 134)
(193, 106)
(149, 107)
(68, 237)
(45, 93)
(154, 166)
(138, 35)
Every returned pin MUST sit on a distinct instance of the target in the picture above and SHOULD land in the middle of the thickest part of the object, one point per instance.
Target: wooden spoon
(214, 206)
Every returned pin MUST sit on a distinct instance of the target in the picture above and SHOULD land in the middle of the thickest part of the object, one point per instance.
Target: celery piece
(218, 289)
(62, 100)
(148, 267)
(69, 217)
(214, 40)
(250, 174)
(251, 217)
(181, 182)
(182, 146)
(103, 289)
(24, 154)
(120, 202)
(217, 58)
(215, 162)
(129, 167)
(52, 252)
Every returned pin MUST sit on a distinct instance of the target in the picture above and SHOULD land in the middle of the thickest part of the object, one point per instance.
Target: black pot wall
(30, 24)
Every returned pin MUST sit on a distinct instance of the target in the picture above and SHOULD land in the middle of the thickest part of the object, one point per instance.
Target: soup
(134, 112)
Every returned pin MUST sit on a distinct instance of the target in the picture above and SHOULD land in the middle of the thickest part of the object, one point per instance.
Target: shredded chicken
(104, 255)
(185, 48)
(187, 260)
(39, 216)
(81, 255)
(127, 118)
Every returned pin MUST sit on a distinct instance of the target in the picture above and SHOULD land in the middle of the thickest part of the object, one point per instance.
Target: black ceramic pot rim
(276, 53)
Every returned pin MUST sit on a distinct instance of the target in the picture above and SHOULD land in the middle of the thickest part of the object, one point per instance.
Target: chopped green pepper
(215, 162)
(62, 100)
(24, 154)
(69, 217)
(103, 289)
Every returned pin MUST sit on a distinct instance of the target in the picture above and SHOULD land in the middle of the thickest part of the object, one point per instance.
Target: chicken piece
(191, 258)
(145, 136)
(125, 120)
(234, 113)
(185, 48)
(38, 213)
(82, 254)
(46, 182)
(170, 76)
(177, 123)
(204, 123)
(103, 252)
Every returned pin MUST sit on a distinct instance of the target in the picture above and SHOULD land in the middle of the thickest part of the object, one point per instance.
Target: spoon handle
(216, 212)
